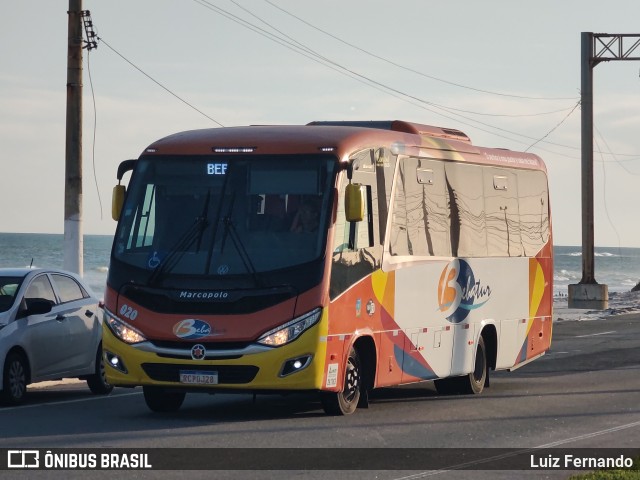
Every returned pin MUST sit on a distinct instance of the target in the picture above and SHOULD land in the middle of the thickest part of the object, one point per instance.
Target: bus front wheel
(346, 401)
(161, 400)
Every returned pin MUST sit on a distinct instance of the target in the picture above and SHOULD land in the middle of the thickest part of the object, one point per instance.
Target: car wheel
(98, 381)
(14, 385)
(346, 401)
(161, 400)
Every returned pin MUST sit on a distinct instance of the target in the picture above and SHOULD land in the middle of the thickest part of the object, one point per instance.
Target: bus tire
(474, 382)
(161, 400)
(97, 382)
(15, 379)
(346, 401)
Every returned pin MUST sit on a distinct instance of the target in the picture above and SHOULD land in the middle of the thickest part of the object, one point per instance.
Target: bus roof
(341, 138)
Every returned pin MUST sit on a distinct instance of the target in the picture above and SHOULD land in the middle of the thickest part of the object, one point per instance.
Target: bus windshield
(225, 216)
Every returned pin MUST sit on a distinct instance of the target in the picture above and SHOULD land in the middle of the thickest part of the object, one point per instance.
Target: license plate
(195, 377)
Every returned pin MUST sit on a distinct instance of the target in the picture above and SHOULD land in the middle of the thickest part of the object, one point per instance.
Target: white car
(50, 328)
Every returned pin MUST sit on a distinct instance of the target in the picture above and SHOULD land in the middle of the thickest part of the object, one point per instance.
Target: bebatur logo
(191, 329)
(459, 292)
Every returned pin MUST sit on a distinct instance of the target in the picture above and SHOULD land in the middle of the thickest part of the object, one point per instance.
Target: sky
(506, 73)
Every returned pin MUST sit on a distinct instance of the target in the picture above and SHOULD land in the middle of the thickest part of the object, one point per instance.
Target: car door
(80, 312)
(46, 335)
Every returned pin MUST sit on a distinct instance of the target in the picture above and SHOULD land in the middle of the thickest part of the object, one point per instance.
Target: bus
(333, 257)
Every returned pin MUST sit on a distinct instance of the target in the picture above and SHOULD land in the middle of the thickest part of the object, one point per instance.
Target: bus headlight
(291, 330)
(123, 331)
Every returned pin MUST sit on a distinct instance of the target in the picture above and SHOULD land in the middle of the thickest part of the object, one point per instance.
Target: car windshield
(214, 216)
(8, 289)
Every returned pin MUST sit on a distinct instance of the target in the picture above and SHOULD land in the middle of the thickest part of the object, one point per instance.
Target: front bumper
(255, 368)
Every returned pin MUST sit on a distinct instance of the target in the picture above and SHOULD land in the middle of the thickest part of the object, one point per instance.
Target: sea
(616, 267)
(47, 251)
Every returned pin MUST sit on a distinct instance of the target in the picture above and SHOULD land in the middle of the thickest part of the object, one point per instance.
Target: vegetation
(631, 474)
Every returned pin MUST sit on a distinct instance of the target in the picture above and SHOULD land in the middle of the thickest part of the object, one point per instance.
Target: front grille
(187, 356)
(210, 346)
(227, 374)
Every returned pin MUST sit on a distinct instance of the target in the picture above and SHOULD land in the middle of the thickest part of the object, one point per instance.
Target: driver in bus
(307, 218)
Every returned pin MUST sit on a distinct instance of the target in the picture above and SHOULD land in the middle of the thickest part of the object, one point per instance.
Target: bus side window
(466, 203)
(533, 199)
(502, 216)
(420, 221)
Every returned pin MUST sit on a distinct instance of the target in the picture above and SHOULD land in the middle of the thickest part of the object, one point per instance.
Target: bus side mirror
(353, 203)
(117, 200)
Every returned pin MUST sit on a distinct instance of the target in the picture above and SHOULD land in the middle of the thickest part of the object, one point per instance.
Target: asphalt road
(584, 394)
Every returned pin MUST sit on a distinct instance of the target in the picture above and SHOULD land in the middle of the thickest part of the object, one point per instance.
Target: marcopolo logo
(191, 329)
(459, 292)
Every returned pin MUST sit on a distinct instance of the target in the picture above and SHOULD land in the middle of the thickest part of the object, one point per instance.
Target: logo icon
(23, 459)
(191, 329)
(198, 352)
(371, 307)
(154, 260)
(459, 292)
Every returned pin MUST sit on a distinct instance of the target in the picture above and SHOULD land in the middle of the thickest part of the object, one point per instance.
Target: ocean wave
(566, 275)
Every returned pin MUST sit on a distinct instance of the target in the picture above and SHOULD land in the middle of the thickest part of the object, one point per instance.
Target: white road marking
(520, 452)
(595, 334)
(63, 402)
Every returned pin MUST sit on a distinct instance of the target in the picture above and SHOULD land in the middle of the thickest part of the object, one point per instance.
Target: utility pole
(595, 48)
(73, 236)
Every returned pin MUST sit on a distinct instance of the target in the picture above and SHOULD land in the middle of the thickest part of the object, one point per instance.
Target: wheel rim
(352, 382)
(17, 379)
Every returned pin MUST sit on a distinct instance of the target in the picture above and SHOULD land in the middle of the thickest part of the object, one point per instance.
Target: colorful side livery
(335, 257)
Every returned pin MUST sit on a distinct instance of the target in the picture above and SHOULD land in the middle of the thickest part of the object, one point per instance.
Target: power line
(102, 40)
(450, 110)
(611, 153)
(95, 126)
(604, 198)
(91, 44)
(301, 49)
(390, 62)
(554, 128)
(304, 50)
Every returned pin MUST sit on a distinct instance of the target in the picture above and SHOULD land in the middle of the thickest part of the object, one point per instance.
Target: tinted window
(68, 288)
(534, 210)
(503, 218)
(40, 288)
(221, 217)
(465, 210)
(8, 288)
(466, 203)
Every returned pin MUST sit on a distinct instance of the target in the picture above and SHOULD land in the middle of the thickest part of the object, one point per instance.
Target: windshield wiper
(230, 228)
(177, 251)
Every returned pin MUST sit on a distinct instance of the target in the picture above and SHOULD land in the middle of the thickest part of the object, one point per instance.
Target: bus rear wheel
(474, 382)
(346, 401)
(160, 400)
